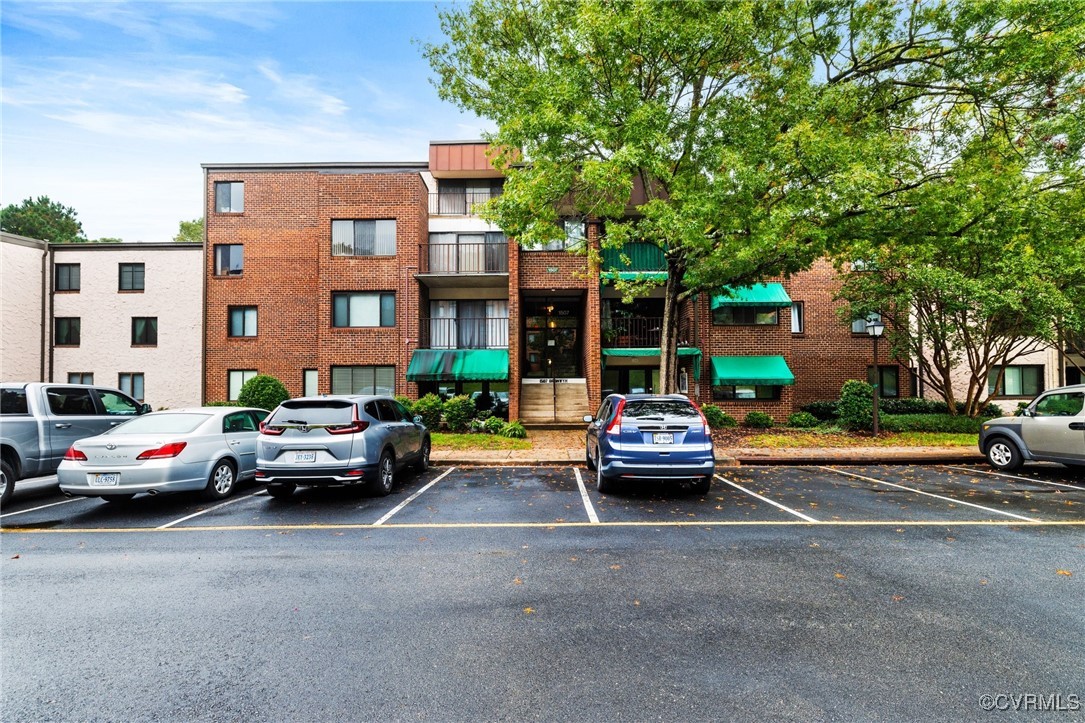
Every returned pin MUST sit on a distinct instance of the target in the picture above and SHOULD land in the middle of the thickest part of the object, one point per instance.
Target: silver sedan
(205, 448)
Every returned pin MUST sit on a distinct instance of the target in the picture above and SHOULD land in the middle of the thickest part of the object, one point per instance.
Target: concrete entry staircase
(537, 404)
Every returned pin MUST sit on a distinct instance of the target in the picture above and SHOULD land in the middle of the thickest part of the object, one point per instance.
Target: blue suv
(649, 436)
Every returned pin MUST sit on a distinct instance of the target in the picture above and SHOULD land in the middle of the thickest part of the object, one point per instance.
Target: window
(80, 378)
(364, 238)
(230, 197)
(363, 380)
(309, 380)
(469, 324)
(1018, 381)
(728, 315)
(363, 309)
(70, 401)
(66, 331)
(462, 197)
(131, 277)
(798, 317)
(242, 321)
(13, 401)
(116, 404)
(1065, 404)
(67, 277)
(889, 383)
(859, 325)
(574, 232)
(235, 379)
(229, 259)
(746, 392)
(239, 422)
(131, 383)
(144, 331)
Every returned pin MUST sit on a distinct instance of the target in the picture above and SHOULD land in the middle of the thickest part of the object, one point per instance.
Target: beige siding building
(22, 308)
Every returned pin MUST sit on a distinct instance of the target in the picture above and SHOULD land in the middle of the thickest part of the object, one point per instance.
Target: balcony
(638, 332)
(643, 257)
(457, 202)
(490, 332)
(464, 264)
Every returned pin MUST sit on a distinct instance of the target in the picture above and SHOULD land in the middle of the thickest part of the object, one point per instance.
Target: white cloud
(301, 90)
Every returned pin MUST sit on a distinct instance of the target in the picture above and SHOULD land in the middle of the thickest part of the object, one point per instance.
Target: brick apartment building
(378, 277)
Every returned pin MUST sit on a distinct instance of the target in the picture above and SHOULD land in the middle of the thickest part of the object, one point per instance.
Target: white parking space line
(594, 518)
(1013, 476)
(929, 494)
(42, 507)
(413, 497)
(774, 503)
(204, 512)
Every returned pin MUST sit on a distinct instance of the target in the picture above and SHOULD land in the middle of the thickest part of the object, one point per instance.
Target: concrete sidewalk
(567, 447)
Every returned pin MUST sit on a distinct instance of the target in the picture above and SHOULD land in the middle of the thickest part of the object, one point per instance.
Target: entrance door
(631, 380)
(552, 338)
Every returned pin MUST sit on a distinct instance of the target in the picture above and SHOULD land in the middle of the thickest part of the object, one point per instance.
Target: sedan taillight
(166, 450)
(75, 455)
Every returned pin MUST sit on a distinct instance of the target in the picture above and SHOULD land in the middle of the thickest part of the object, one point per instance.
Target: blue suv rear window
(647, 408)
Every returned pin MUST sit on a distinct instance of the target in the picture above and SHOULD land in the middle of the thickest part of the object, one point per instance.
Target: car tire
(423, 457)
(115, 499)
(702, 486)
(604, 485)
(386, 471)
(1003, 454)
(588, 458)
(7, 482)
(281, 490)
(222, 481)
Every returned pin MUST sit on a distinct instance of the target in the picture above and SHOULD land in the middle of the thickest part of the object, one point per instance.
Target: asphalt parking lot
(509, 593)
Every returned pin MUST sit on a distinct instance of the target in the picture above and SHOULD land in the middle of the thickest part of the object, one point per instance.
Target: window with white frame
(309, 383)
(242, 321)
(229, 197)
(364, 238)
(360, 309)
(235, 379)
(798, 317)
(364, 380)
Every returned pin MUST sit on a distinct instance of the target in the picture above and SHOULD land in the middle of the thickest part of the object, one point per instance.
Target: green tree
(108, 240)
(43, 219)
(190, 231)
(743, 139)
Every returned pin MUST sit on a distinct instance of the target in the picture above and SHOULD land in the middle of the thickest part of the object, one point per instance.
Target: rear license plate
(104, 480)
(305, 456)
(663, 438)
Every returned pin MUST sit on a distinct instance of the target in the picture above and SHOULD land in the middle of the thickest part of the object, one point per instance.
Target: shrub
(514, 429)
(429, 408)
(824, 411)
(717, 418)
(758, 420)
(459, 411)
(493, 425)
(218, 404)
(802, 420)
(263, 392)
(856, 405)
(956, 424)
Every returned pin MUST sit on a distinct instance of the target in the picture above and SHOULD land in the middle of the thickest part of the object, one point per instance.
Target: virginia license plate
(105, 480)
(305, 456)
(663, 438)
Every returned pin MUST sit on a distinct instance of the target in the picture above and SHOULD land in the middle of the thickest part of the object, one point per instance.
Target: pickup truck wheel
(386, 471)
(7, 482)
(220, 484)
(1003, 454)
(117, 498)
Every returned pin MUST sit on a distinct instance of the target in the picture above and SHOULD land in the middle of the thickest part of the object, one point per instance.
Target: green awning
(657, 276)
(756, 295)
(654, 351)
(463, 365)
(750, 370)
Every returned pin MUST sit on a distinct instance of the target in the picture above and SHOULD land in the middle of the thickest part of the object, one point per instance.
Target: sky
(110, 107)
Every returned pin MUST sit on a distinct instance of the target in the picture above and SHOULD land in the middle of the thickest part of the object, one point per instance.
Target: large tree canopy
(42, 219)
(758, 130)
(190, 231)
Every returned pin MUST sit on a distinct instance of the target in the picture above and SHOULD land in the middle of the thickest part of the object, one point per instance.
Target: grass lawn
(449, 441)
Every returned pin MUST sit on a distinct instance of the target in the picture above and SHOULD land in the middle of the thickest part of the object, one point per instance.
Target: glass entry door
(552, 344)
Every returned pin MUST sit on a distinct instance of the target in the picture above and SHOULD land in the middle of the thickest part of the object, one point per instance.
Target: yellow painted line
(554, 525)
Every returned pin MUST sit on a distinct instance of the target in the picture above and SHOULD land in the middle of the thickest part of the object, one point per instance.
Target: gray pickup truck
(39, 421)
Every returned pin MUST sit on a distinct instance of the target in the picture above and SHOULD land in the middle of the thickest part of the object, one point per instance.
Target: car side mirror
(588, 418)
(418, 419)
(1027, 413)
(144, 408)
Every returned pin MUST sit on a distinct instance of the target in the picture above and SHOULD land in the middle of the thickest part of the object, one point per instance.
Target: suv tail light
(166, 450)
(75, 455)
(273, 431)
(615, 426)
(704, 419)
(354, 427)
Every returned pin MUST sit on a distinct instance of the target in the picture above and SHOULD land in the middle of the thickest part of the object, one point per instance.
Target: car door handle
(64, 426)
(113, 424)
(1077, 425)
(235, 441)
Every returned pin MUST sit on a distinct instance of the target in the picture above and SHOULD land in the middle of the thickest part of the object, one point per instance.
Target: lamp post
(875, 327)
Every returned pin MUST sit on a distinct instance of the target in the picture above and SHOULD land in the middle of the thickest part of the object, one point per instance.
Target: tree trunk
(668, 338)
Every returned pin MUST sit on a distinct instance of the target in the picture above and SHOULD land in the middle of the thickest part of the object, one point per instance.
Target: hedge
(958, 424)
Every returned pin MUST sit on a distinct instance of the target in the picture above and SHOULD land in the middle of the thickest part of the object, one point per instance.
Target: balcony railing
(625, 332)
(458, 203)
(642, 257)
(460, 258)
(491, 332)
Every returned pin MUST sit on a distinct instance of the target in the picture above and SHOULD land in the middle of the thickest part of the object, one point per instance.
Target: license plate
(663, 438)
(305, 456)
(104, 480)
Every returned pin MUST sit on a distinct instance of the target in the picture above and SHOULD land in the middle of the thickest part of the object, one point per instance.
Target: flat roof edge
(323, 166)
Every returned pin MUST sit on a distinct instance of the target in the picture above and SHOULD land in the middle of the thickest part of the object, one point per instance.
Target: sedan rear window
(657, 408)
(313, 413)
(180, 423)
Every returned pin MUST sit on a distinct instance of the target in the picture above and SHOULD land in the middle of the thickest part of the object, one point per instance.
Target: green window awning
(634, 352)
(657, 276)
(756, 295)
(751, 370)
(461, 365)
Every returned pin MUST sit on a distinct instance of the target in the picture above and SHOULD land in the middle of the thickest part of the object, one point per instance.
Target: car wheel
(117, 498)
(603, 484)
(588, 458)
(702, 485)
(1003, 454)
(386, 472)
(423, 457)
(281, 490)
(220, 484)
(7, 482)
